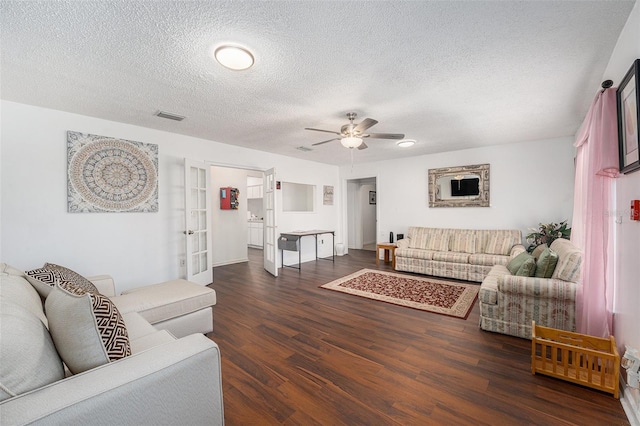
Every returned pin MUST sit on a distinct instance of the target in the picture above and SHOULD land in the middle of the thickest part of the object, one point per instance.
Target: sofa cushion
(166, 300)
(419, 237)
(86, 327)
(488, 259)
(439, 240)
(546, 263)
(136, 326)
(43, 279)
(499, 243)
(158, 337)
(450, 256)
(414, 253)
(463, 242)
(528, 267)
(29, 359)
(516, 263)
(17, 289)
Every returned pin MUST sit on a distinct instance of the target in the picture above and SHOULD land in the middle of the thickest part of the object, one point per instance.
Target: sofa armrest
(541, 288)
(516, 250)
(173, 383)
(403, 243)
(104, 284)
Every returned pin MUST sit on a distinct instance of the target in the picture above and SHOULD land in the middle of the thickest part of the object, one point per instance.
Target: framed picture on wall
(372, 197)
(628, 98)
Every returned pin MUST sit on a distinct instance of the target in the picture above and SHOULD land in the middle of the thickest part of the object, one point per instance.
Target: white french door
(270, 250)
(197, 178)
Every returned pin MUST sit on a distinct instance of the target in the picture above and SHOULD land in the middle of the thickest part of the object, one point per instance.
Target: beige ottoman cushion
(160, 302)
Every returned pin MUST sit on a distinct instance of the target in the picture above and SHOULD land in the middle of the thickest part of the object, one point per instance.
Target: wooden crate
(578, 358)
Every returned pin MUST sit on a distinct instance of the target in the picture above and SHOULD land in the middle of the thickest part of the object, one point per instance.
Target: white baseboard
(231, 262)
(630, 400)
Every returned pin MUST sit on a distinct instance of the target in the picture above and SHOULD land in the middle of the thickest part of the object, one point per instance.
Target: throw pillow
(72, 276)
(516, 263)
(538, 251)
(528, 268)
(86, 328)
(28, 358)
(546, 263)
(45, 278)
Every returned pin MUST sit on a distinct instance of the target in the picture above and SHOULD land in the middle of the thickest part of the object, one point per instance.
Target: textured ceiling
(451, 75)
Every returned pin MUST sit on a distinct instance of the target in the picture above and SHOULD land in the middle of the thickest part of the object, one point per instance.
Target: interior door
(270, 250)
(197, 204)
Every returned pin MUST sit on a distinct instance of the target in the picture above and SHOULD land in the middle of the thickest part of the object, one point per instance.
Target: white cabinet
(255, 236)
(254, 191)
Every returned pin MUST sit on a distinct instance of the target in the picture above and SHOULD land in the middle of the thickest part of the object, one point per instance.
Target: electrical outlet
(321, 241)
(183, 263)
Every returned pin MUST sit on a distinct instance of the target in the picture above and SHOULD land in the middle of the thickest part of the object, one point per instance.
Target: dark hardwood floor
(293, 353)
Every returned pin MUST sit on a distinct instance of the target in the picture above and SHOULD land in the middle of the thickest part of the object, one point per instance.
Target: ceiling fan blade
(365, 124)
(320, 143)
(385, 135)
(363, 146)
(320, 130)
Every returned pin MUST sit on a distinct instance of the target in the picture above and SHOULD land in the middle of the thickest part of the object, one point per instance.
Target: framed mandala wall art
(110, 175)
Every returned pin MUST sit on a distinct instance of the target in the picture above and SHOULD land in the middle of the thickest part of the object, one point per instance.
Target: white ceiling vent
(170, 116)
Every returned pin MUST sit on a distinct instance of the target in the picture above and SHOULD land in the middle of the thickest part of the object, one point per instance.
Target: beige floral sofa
(508, 303)
(465, 254)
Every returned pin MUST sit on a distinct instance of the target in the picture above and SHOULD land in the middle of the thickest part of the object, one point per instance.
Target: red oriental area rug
(427, 294)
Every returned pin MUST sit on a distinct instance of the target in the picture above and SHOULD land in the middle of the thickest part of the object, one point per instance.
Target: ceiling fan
(351, 135)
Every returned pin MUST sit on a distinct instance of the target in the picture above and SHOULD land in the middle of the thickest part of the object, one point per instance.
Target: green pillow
(528, 268)
(538, 251)
(516, 263)
(546, 263)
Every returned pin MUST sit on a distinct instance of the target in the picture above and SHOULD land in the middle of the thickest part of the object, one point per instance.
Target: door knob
(189, 232)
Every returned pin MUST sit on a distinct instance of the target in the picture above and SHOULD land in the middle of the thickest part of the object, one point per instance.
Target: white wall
(136, 248)
(368, 215)
(626, 325)
(228, 227)
(531, 182)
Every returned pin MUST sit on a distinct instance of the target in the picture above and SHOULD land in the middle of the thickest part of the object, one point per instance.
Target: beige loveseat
(508, 303)
(466, 254)
(159, 378)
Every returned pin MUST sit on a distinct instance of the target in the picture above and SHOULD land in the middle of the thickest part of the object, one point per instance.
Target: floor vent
(169, 116)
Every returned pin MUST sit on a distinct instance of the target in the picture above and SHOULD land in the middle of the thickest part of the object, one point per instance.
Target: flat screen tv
(464, 187)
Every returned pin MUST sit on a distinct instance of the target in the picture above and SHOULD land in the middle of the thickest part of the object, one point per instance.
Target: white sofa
(465, 254)
(172, 375)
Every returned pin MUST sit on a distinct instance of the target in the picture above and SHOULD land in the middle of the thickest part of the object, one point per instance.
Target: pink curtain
(596, 169)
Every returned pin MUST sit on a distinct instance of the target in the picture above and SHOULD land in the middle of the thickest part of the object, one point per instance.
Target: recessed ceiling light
(234, 57)
(405, 143)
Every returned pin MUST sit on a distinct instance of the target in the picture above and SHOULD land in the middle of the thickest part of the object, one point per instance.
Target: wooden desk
(389, 249)
(297, 237)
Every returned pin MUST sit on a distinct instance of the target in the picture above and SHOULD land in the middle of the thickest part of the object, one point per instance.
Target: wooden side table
(389, 250)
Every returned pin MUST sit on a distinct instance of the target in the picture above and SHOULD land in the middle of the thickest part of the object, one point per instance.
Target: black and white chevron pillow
(45, 278)
(87, 328)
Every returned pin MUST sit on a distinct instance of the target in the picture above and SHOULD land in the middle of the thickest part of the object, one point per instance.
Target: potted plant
(547, 233)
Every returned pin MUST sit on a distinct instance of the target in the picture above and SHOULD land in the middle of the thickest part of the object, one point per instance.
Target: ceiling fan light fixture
(351, 142)
(405, 143)
(234, 57)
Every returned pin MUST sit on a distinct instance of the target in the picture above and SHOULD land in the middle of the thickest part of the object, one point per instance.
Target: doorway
(232, 230)
(362, 213)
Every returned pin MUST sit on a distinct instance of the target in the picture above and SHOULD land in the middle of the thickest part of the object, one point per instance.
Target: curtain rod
(606, 84)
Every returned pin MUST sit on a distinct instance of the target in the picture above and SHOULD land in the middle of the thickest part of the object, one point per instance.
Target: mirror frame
(482, 170)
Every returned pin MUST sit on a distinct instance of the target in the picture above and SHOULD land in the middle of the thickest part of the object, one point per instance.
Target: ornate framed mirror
(460, 186)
